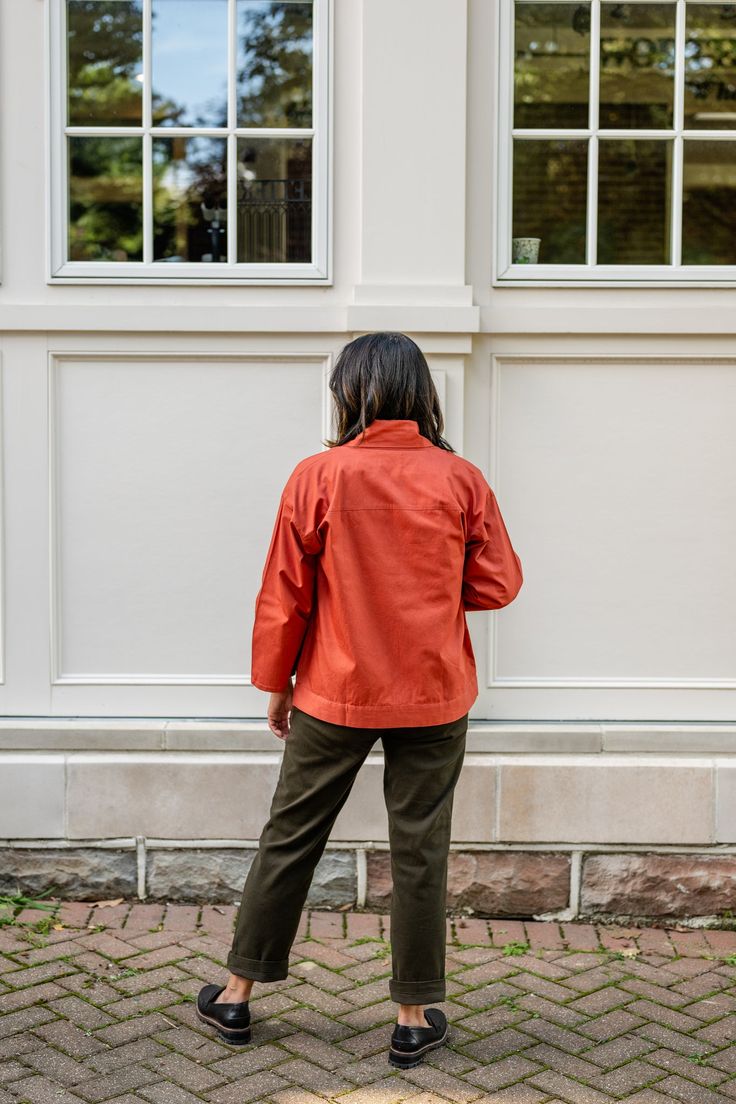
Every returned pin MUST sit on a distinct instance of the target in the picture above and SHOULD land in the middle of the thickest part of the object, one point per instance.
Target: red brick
(469, 930)
(580, 937)
(218, 919)
(181, 918)
(722, 942)
(690, 943)
(362, 925)
(655, 941)
(142, 917)
(112, 916)
(329, 924)
(507, 931)
(541, 934)
(75, 914)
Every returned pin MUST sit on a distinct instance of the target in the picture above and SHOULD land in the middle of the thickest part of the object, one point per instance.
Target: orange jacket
(380, 546)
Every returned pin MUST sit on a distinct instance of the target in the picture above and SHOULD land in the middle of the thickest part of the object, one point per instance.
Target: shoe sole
(228, 1035)
(407, 1060)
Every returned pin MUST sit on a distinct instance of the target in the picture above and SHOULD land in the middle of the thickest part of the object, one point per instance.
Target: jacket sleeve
(283, 603)
(492, 575)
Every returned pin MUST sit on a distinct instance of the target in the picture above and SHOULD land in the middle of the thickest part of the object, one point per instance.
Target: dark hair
(384, 375)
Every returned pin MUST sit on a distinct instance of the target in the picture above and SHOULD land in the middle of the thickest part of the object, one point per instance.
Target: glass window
(274, 198)
(105, 199)
(274, 64)
(189, 62)
(104, 63)
(191, 139)
(618, 144)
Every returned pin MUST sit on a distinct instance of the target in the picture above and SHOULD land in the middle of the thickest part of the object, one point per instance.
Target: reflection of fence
(275, 221)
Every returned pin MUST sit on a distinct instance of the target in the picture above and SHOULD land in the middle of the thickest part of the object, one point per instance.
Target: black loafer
(231, 1020)
(410, 1044)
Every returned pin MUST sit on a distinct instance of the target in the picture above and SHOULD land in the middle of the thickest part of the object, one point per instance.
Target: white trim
(147, 175)
(591, 220)
(3, 534)
(62, 271)
(232, 118)
(163, 843)
(361, 871)
(579, 682)
(678, 118)
(590, 274)
(502, 151)
(140, 857)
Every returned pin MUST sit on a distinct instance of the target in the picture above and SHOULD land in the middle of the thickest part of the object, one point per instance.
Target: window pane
(549, 199)
(105, 199)
(710, 60)
(189, 62)
(634, 185)
(189, 199)
(104, 62)
(274, 63)
(551, 65)
(709, 203)
(637, 65)
(274, 199)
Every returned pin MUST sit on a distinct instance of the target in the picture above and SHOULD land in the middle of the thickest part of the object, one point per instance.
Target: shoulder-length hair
(384, 375)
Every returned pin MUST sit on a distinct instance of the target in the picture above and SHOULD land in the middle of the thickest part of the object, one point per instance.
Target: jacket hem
(382, 716)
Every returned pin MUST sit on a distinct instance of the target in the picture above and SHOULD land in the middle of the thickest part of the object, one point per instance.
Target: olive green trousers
(320, 762)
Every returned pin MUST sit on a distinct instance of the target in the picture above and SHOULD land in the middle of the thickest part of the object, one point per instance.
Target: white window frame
(61, 270)
(505, 273)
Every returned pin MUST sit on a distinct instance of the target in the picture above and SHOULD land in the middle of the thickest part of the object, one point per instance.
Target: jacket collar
(391, 433)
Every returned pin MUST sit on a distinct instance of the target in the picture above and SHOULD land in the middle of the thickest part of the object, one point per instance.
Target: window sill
(667, 276)
(188, 274)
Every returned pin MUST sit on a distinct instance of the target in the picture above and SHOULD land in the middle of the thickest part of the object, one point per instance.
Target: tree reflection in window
(188, 202)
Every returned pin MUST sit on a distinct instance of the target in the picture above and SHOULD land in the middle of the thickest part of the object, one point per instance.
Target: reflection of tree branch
(277, 51)
(107, 189)
(164, 109)
(105, 42)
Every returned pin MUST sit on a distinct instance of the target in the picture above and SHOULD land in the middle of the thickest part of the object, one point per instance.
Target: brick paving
(97, 1005)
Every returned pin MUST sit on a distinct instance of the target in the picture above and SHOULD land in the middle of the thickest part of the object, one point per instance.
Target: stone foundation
(658, 885)
(219, 875)
(637, 886)
(76, 874)
(488, 883)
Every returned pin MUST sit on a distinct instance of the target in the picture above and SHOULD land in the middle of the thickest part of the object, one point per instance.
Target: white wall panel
(615, 475)
(165, 475)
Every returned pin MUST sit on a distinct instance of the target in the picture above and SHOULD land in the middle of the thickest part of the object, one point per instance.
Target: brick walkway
(100, 1008)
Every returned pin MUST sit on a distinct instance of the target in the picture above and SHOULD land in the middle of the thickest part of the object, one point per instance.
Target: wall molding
(495, 681)
(56, 359)
(251, 734)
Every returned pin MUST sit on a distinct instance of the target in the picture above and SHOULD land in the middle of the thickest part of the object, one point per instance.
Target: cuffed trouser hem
(257, 969)
(417, 992)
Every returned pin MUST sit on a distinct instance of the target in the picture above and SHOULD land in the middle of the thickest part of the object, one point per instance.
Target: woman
(381, 544)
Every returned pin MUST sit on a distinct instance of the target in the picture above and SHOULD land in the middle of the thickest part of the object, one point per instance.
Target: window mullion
(504, 145)
(592, 199)
(593, 123)
(232, 141)
(677, 151)
(319, 130)
(147, 141)
(60, 103)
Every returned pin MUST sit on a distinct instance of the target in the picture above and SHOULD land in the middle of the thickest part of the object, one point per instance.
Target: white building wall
(147, 431)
